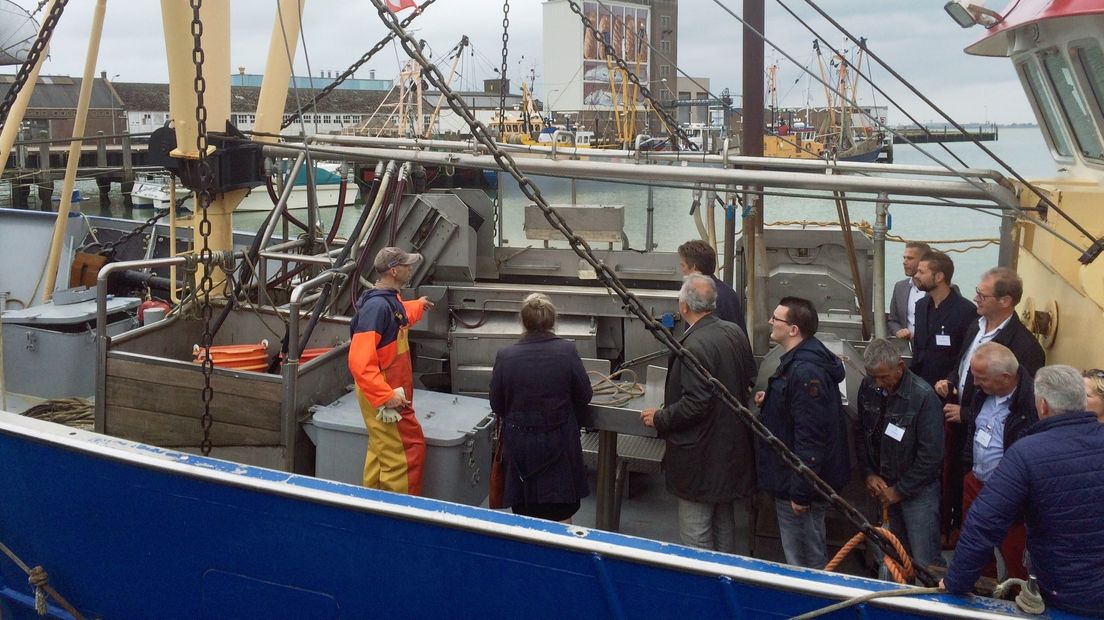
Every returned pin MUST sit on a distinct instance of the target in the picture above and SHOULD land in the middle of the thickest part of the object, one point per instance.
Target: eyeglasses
(775, 319)
(980, 295)
(1095, 372)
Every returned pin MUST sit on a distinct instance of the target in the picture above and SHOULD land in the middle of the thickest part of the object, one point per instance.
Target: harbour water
(1022, 148)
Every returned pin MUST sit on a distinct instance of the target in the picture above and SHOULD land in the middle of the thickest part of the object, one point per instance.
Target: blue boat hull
(131, 531)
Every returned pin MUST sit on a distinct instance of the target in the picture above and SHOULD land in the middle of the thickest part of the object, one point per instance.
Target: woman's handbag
(497, 489)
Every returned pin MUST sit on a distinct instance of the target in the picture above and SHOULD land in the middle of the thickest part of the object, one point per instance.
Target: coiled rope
(621, 391)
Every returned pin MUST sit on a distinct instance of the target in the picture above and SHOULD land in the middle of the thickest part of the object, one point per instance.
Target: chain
(502, 75)
(665, 117)
(109, 249)
(37, 48)
(348, 73)
(631, 302)
(204, 197)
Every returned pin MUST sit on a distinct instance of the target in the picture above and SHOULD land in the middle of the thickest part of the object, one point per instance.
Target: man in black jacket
(899, 444)
(996, 297)
(943, 318)
(709, 463)
(802, 407)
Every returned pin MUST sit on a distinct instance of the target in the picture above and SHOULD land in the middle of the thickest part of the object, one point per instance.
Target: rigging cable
(1088, 255)
(632, 303)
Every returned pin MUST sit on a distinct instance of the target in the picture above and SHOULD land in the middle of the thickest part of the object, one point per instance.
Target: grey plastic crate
(458, 444)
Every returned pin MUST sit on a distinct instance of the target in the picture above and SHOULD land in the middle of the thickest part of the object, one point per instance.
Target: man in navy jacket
(802, 407)
(1054, 478)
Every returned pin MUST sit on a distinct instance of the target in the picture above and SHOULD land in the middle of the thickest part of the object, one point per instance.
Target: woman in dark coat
(540, 391)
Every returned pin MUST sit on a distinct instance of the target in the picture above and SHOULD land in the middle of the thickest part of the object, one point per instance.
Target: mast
(752, 139)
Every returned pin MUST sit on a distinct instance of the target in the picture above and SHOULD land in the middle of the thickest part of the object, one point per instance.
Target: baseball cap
(392, 257)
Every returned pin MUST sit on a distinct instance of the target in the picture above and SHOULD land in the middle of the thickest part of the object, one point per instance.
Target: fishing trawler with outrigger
(192, 497)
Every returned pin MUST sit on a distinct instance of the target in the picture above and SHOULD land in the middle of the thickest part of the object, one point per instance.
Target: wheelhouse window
(1090, 58)
(1051, 125)
(1073, 104)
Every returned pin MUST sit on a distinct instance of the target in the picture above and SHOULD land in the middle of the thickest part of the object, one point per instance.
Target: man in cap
(379, 360)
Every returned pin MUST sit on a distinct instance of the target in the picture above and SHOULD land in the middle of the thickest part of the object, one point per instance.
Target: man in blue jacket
(1054, 477)
(803, 408)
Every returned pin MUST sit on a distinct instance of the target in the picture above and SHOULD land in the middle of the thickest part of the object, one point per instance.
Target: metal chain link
(108, 249)
(37, 48)
(204, 196)
(502, 75)
(668, 120)
(348, 73)
(632, 303)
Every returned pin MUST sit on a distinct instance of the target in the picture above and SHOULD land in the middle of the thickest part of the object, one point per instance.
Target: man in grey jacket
(899, 444)
(901, 321)
(710, 462)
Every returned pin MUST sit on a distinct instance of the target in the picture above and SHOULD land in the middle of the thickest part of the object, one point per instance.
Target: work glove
(389, 415)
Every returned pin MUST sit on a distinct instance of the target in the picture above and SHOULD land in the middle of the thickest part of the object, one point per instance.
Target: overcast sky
(914, 36)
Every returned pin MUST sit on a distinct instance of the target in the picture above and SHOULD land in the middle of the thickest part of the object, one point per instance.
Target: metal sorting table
(611, 421)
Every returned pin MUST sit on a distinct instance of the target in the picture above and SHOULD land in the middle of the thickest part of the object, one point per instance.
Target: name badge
(942, 340)
(982, 438)
(894, 432)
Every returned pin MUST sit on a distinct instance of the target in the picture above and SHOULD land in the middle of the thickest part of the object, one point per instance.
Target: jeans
(803, 539)
(915, 522)
(713, 526)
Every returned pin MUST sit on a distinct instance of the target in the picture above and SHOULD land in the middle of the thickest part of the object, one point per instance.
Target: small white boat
(155, 191)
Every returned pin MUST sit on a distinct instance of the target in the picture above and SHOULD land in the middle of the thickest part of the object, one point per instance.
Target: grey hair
(881, 352)
(1001, 359)
(698, 293)
(1062, 388)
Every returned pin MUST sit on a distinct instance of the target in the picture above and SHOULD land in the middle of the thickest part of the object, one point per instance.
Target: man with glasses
(802, 407)
(996, 297)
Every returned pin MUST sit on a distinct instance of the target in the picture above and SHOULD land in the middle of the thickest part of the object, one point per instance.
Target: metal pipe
(281, 204)
(83, 98)
(714, 176)
(853, 261)
(730, 244)
(649, 231)
(772, 163)
(881, 212)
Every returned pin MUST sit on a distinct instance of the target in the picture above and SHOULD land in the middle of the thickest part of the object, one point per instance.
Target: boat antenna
(1087, 256)
(632, 303)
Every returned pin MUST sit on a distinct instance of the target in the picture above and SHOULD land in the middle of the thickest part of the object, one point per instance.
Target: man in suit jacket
(996, 297)
(901, 321)
(710, 462)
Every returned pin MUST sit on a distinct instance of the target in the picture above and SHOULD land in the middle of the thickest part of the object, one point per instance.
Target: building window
(327, 119)
(664, 70)
(665, 46)
(664, 21)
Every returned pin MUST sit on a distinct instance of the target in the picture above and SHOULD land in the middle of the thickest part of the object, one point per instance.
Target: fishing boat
(193, 495)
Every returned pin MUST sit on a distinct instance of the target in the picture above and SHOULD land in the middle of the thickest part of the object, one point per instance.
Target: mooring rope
(40, 581)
